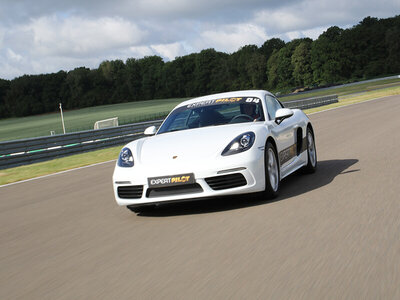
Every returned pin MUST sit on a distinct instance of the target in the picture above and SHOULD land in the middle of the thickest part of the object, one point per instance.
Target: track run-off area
(334, 234)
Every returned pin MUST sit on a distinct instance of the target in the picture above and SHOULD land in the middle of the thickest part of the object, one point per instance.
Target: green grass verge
(58, 165)
(84, 159)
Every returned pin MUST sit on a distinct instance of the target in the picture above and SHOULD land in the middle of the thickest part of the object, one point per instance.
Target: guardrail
(311, 102)
(27, 151)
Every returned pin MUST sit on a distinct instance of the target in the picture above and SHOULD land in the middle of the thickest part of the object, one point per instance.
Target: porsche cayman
(218, 145)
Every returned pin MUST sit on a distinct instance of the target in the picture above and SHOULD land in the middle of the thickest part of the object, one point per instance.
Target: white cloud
(52, 35)
(78, 36)
(48, 44)
(171, 7)
(2, 35)
(9, 71)
(11, 55)
(314, 33)
(280, 21)
(140, 51)
(169, 51)
(308, 15)
(231, 37)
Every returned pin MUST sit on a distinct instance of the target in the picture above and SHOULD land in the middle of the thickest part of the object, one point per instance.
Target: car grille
(130, 191)
(174, 190)
(226, 181)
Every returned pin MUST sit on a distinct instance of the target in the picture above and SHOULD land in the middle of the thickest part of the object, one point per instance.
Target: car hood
(189, 145)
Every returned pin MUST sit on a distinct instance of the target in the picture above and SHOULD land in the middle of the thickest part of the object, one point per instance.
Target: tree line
(368, 49)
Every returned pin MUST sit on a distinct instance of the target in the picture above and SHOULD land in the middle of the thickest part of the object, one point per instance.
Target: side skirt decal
(287, 154)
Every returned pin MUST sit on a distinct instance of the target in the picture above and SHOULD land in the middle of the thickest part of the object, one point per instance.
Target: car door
(284, 134)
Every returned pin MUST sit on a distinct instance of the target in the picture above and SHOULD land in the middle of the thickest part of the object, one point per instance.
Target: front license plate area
(173, 180)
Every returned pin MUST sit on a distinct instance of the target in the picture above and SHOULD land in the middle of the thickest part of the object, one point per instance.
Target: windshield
(214, 112)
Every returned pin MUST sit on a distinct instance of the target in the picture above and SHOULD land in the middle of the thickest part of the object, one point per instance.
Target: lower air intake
(226, 181)
(130, 191)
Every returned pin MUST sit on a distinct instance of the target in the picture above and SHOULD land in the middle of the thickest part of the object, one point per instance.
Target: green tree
(114, 73)
(269, 46)
(272, 70)
(178, 77)
(257, 71)
(134, 79)
(77, 86)
(285, 67)
(392, 43)
(301, 61)
(4, 87)
(326, 57)
(210, 72)
(242, 66)
(151, 68)
(50, 94)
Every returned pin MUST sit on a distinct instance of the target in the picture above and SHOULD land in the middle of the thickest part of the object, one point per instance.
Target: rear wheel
(311, 153)
(272, 172)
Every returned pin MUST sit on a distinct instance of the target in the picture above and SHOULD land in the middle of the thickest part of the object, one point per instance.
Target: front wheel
(311, 153)
(272, 172)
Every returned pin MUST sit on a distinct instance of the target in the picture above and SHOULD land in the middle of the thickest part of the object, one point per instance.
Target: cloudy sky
(43, 36)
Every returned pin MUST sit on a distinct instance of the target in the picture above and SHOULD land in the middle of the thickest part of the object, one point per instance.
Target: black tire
(311, 166)
(272, 172)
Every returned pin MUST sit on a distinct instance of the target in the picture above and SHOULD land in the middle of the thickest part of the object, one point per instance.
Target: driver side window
(272, 106)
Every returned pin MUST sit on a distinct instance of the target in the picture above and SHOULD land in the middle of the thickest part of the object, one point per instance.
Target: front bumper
(237, 174)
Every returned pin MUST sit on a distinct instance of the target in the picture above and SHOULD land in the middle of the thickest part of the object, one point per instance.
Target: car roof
(247, 93)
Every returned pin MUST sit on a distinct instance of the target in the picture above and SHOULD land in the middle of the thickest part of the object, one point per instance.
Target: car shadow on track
(293, 185)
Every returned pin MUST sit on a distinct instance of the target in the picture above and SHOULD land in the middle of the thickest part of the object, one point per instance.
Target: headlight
(125, 158)
(239, 144)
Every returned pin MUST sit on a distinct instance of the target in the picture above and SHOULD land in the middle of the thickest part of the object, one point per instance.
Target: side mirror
(150, 130)
(282, 114)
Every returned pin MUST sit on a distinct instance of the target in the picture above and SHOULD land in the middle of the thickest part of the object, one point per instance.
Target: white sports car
(223, 144)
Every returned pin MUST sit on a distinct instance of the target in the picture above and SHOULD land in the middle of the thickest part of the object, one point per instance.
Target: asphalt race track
(331, 235)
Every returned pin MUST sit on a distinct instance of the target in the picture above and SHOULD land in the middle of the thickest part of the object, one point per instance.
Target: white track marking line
(44, 176)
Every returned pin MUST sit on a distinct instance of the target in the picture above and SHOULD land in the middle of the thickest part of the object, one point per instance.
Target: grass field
(84, 159)
(84, 119)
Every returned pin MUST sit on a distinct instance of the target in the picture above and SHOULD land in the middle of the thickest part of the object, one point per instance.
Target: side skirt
(299, 162)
